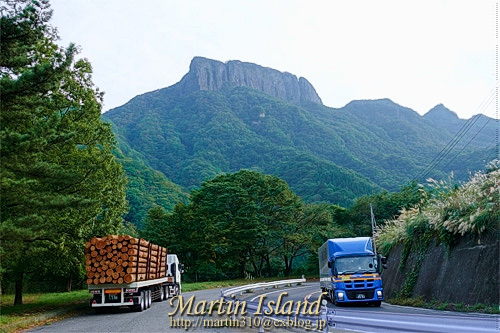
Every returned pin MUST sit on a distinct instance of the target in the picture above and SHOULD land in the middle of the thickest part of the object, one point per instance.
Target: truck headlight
(379, 294)
(340, 296)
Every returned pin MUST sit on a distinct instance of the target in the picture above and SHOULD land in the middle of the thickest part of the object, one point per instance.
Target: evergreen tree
(60, 183)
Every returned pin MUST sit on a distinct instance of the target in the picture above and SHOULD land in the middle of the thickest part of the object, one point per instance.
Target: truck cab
(174, 270)
(350, 271)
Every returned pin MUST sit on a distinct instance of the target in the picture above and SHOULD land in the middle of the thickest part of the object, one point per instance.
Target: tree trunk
(268, 263)
(288, 265)
(18, 300)
(243, 265)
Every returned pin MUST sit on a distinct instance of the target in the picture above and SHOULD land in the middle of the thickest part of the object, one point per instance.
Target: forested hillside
(146, 187)
(194, 131)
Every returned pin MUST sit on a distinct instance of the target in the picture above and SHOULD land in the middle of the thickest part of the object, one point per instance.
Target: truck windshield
(353, 265)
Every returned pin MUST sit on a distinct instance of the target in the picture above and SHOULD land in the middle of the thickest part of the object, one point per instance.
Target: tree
(298, 236)
(386, 206)
(60, 183)
(233, 224)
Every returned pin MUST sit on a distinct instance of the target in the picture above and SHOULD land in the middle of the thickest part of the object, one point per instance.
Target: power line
(452, 146)
(468, 143)
(458, 136)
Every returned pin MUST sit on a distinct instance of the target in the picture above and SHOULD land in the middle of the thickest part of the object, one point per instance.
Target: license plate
(112, 291)
(113, 297)
(360, 296)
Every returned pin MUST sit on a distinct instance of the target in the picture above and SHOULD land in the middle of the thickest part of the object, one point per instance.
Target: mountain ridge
(213, 75)
(325, 154)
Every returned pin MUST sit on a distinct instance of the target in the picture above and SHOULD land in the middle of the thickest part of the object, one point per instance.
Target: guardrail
(326, 315)
(262, 285)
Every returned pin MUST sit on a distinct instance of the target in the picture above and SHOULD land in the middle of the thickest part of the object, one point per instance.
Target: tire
(162, 294)
(141, 306)
(149, 298)
(165, 290)
(377, 304)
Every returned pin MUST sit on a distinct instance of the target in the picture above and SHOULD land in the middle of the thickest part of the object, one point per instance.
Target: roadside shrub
(450, 212)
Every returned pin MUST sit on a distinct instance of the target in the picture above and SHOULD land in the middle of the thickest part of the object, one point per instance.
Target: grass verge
(40, 309)
(193, 286)
(436, 305)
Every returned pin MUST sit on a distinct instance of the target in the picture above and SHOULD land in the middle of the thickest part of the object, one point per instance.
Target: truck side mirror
(383, 260)
(330, 264)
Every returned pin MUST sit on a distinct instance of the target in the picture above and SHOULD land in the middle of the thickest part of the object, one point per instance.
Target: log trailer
(132, 272)
(139, 295)
(350, 271)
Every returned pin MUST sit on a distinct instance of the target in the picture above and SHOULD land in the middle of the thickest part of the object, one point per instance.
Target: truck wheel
(165, 291)
(143, 301)
(162, 295)
(141, 306)
(377, 303)
(150, 298)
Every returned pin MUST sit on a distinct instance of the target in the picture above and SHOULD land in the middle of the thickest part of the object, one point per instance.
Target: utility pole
(374, 226)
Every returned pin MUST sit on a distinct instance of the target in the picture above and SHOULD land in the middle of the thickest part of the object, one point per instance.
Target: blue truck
(350, 270)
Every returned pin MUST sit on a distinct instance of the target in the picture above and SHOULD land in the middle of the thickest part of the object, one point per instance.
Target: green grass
(193, 286)
(39, 309)
(436, 305)
(186, 287)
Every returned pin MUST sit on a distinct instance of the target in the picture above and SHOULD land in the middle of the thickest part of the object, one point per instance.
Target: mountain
(212, 75)
(222, 117)
(146, 187)
(479, 130)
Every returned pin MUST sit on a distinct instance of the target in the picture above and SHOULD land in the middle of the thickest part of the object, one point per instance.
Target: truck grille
(354, 295)
(359, 284)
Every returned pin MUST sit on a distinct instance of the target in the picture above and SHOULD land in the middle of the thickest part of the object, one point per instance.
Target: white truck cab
(174, 270)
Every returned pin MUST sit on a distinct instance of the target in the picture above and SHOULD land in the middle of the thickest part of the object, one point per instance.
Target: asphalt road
(387, 318)
(391, 318)
(154, 319)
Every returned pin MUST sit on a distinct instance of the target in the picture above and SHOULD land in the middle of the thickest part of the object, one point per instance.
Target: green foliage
(203, 134)
(386, 206)
(448, 212)
(60, 183)
(324, 154)
(146, 187)
(237, 223)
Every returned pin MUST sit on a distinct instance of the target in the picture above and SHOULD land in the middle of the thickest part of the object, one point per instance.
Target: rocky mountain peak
(213, 75)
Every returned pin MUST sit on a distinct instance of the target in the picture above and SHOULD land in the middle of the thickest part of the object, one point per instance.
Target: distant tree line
(249, 223)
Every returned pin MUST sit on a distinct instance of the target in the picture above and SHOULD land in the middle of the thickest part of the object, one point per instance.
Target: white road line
(422, 324)
(437, 315)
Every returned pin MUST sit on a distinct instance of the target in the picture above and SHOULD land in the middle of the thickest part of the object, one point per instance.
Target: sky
(417, 53)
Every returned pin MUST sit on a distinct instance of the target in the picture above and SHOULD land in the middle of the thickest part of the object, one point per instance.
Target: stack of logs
(123, 259)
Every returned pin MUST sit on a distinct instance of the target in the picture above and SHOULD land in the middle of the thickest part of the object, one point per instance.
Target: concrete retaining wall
(468, 273)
